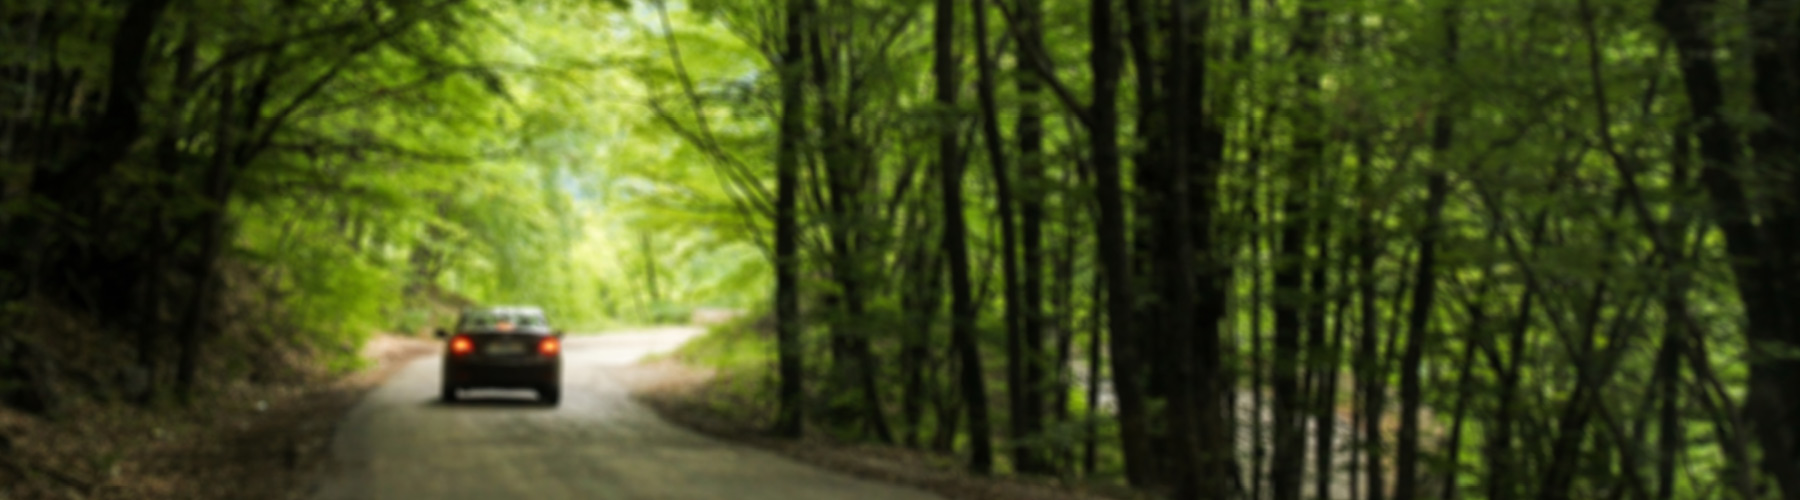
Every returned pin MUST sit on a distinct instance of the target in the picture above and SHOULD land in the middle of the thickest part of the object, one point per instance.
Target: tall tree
(1418, 332)
(791, 416)
(1103, 132)
(1025, 421)
(1291, 305)
(962, 304)
(1030, 135)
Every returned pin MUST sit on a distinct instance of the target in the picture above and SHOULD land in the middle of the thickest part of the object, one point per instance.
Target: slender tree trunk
(1406, 479)
(1024, 403)
(1258, 450)
(1465, 386)
(216, 188)
(155, 281)
(1144, 227)
(1258, 301)
(963, 309)
(1326, 448)
(1323, 364)
(790, 418)
(1212, 391)
(1687, 22)
(649, 251)
(1669, 431)
(110, 138)
(1096, 334)
(1175, 254)
(853, 362)
(1773, 401)
(922, 301)
(1424, 294)
(1127, 382)
(1290, 429)
(1031, 210)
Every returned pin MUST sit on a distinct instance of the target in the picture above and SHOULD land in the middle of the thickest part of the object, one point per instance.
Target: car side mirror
(441, 333)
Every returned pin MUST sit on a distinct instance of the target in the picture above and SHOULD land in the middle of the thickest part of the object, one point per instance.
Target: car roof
(513, 310)
(504, 310)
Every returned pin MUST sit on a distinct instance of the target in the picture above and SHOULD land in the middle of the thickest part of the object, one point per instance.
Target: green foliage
(734, 347)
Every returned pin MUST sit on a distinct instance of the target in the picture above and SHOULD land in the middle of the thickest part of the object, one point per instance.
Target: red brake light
(550, 346)
(461, 345)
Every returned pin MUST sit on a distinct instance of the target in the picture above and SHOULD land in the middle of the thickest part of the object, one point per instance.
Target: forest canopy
(314, 172)
(1271, 249)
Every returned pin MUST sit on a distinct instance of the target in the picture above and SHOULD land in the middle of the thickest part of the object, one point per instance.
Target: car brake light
(549, 346)
(461, 345)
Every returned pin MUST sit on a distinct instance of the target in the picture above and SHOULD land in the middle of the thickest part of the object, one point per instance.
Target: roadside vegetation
(1275, 249)
(209, 204)
(1286, 249)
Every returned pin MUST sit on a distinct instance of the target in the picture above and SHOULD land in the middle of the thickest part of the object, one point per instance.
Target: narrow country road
(401, 442)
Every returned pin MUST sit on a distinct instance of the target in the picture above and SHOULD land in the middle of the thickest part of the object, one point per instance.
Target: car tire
(550, 395)
(448, 393)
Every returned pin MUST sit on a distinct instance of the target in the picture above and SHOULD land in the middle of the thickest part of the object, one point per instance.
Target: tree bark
(1031, 211)
(790, 417)
(1773, 401)
(1406, 457)
(963, 309)
(1289, 427)
(110, 138)
(853, 360)
(1026, 420)
(922, 300)
(1104, 134)
(1322, 364)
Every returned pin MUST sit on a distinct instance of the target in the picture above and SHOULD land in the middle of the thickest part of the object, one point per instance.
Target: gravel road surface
(401, 442)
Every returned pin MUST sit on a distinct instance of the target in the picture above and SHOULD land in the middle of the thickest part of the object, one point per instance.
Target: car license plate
(505, 348)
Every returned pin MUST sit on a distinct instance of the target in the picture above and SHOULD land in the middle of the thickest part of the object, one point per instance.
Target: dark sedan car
(503, 347)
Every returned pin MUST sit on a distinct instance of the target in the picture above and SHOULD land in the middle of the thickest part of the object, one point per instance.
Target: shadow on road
(490, 400)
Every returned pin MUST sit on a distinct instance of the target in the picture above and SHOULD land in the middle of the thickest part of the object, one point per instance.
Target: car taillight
(549, 346)
(461, 345)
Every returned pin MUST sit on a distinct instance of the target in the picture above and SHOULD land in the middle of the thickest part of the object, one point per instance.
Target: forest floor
(249, 441)
(702, 400)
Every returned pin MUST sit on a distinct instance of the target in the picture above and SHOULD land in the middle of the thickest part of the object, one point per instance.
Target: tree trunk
(1773, 401)
(1465, 385)
(1096, 334)
(1024, 403)
(1144, 228)
(790, 419)
(1418, 332)
(1668, 387)
(963, 309)
(1104, 134)
(1322, 365)
(216, 191)
(1031, 211)
(853, 362)
(1174, 253)
(1687, 22)
(1211, 390)
(921, 300)
(652, 296)
(121, 124)
(1290, 404)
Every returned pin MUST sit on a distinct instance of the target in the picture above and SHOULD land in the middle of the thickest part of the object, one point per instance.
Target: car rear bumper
(476, 373)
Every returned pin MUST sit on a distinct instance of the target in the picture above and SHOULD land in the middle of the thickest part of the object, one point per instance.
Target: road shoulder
(696, 399)
(269, 440)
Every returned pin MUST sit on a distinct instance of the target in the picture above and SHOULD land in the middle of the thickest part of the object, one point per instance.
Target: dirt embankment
(249, 440)
(697, 399)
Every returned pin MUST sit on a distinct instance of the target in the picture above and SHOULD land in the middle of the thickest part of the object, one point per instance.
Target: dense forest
(1272, 249)
(200, 186)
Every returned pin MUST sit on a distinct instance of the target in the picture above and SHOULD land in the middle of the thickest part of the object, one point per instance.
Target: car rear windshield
(489, 319)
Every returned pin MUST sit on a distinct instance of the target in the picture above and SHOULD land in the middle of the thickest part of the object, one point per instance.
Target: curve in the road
(400, 442)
